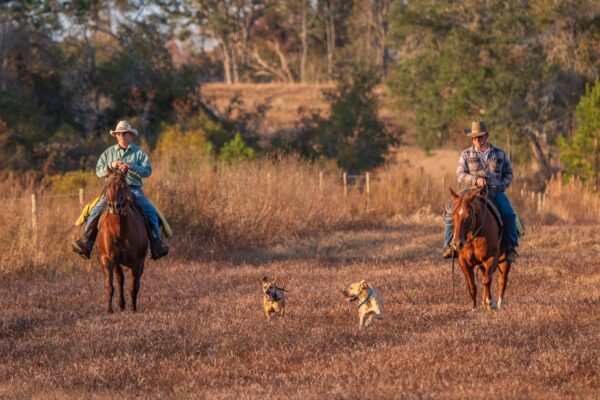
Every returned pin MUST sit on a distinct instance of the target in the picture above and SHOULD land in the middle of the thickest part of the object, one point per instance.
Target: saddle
(164, 224)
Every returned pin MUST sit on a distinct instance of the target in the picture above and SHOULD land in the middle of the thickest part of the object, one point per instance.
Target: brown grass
(201, 332)
(215, 209)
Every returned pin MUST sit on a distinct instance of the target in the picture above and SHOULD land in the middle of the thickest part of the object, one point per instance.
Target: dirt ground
(200, 331)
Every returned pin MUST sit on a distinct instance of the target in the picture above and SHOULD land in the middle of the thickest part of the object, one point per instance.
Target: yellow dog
(370, 302)
(273, 298)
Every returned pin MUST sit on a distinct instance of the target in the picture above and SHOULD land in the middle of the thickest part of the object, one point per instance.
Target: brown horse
(122, 240)
(477, 237)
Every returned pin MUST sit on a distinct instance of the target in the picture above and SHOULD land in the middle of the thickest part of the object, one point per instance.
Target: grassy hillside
(285, 99)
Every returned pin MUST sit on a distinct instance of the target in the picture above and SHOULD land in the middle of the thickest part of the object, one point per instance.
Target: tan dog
(273, 298)
(370, 302)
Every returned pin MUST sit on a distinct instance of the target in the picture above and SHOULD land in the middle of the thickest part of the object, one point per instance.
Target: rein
(119, 206)
(473, 220)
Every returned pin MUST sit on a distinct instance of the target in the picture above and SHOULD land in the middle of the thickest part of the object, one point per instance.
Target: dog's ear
(274, 280)
(265, 279)
(363, 284)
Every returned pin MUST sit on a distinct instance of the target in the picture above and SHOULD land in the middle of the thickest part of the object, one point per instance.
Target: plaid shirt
(133, 155)
(497, 171)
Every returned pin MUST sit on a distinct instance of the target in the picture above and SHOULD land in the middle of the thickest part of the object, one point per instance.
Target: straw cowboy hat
(477, 129)
(123, 126)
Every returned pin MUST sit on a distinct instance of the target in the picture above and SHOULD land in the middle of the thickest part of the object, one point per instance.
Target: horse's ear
(453, 193)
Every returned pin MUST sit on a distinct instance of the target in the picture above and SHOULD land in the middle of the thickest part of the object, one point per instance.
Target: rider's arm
(102, 166)
(463, 173)
(141, 166)
(507, 174)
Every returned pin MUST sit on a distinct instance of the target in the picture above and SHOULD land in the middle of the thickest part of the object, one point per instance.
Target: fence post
(81, 197)
(34, 211)
(321, 181)
(368, 188)
(345, 180)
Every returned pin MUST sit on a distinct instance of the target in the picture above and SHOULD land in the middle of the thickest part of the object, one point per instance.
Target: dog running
(273, 298)
(370, 302)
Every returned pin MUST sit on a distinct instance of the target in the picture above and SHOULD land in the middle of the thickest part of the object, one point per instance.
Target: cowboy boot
(84, 245)
(448, 253)
(158, 248)
(511, 254)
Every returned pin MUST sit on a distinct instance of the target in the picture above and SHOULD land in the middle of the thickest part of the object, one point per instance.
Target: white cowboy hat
(123, 126)
(478, 128)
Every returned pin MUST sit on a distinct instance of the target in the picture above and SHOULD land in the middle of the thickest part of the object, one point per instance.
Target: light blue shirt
(134, 156)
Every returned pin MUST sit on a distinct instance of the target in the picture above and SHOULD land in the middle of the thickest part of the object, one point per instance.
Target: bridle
(119, 206)
(473, 217)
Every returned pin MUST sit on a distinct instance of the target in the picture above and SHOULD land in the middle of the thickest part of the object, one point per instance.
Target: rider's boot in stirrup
(511, 254)
(84, 245)
(158, 248)
(448, 252)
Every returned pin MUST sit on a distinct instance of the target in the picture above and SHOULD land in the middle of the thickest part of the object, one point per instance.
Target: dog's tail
(280, 284)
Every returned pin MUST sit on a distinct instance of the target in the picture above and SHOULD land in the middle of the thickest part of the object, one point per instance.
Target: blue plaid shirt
(496, 171)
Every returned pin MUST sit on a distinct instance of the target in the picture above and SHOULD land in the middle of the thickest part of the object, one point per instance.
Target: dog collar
(365, 300)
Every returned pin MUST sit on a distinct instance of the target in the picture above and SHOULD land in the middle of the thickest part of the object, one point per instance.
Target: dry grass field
(200, 331)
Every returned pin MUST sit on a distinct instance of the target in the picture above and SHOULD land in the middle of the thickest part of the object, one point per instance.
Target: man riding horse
(480, 165)
(131, 160)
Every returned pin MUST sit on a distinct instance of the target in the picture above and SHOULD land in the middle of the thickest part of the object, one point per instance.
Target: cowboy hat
(477, 129)
(123, 126)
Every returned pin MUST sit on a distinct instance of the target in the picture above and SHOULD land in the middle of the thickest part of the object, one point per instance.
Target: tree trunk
(538, 152)
(226, 63)
(304, 36)
(330, 31)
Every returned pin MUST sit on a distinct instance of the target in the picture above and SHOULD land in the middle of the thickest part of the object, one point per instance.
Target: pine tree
(581, 156)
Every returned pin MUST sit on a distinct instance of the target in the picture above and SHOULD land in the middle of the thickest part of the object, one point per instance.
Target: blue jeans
(506, 212)
(141, 199)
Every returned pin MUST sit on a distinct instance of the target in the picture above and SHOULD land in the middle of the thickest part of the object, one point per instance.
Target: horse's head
(118, 194)
(463, 217)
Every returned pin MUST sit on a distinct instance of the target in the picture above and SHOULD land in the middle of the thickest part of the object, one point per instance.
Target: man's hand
(115, 164)
(123, 167)
(480, 182)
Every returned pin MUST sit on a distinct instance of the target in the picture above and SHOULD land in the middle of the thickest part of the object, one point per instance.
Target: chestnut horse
(477, 238)
(122, 240)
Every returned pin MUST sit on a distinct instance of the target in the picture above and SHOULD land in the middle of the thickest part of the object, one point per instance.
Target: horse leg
(135, 287)
(120, 278)
(489, 266)
(109, 289)
(503, 280)
(468, 272)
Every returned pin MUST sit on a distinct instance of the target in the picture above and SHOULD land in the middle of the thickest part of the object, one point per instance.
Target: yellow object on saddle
(89, 206)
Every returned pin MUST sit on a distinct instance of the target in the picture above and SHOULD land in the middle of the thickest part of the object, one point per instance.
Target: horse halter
(119, 206)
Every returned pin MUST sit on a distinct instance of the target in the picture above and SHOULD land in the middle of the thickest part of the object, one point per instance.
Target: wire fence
(362, 183)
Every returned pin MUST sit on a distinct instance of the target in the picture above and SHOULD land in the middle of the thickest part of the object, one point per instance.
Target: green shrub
(71, 182)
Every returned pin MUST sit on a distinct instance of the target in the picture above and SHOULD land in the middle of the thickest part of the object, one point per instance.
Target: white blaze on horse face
(460, 212)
